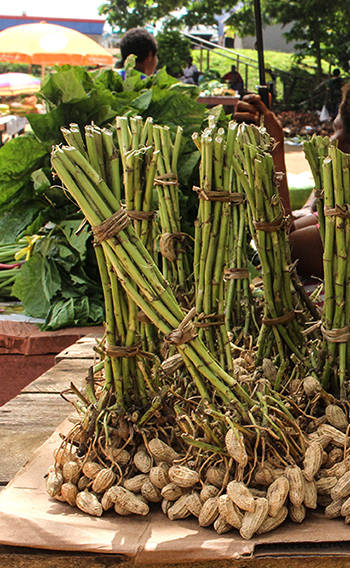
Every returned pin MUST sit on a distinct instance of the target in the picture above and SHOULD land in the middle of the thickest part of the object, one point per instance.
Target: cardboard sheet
(28, 517)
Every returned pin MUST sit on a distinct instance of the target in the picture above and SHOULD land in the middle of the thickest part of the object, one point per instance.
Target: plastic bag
(324, 114)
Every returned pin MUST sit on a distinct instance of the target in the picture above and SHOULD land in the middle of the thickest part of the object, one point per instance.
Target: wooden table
(230, 103)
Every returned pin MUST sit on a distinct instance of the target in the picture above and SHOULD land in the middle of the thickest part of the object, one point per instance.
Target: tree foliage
(173, 51)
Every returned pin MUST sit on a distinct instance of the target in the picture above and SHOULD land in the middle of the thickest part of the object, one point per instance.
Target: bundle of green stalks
(316, 149)
(10, 265)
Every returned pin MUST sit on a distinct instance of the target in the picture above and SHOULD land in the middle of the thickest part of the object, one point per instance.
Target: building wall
(91, 28)
(273, 39)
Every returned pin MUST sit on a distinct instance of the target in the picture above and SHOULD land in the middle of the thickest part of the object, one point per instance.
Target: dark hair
(139, 42)
(336, 72)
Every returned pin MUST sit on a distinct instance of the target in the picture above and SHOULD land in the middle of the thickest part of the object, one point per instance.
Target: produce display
(209, 398)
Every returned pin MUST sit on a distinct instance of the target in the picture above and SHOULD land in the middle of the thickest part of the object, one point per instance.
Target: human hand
(251, 109)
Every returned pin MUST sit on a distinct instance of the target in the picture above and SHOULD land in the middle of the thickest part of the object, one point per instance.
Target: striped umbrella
(12, 84)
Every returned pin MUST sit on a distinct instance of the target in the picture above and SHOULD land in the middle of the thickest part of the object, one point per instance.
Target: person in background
(139, 42)
(191, 73)
(334, 93)
(305, 240)
(235, 80)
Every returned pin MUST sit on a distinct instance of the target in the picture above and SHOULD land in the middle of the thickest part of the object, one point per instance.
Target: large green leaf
(28, 288)
(17, 219)
(19, 157)
(74, 312)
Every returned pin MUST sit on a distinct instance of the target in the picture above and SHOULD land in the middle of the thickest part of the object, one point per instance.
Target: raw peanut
(172, 364)
(209, 512)
(234, 442)
(103, 480)
(230, 512)
(215, 476)
(335, 456)
(151, 492)
(324, 458)
(54, 481)
(221, 526)
(272, 523)
(194, 504)
(296, 484)
(345, 509)
(252, 521)
(158, 475)
(179, 510)
(69, 492)
(269, 369)
(129, 501)
(325, 485)
(207, 492)
(143, 461)
(83, 482)
(276, 495)
(122, 457)
(336, 417)
(312, 460)
(297, 513)
(338, 438)
(166, 504)
(342, 487)
(310, 494)
(311, 386)
(63, 455)
(88, 503)
(121, 510)
(91, 469)
(264, 475)
(108, 499)
(337, 470)
(161, 451)
(135, 483)
(333, 510)
(324, 440)
(257, 492)
(241, 496)
(60, 498)
(71, 471)
(171, 492)
(347, 520)
(183, 476)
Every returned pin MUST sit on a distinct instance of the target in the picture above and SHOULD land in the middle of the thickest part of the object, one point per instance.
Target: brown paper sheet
(28, 517)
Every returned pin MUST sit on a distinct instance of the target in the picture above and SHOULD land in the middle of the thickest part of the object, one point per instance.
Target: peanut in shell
(333, 510)
(296, 484)
(209, 512)
(135, 483)
(310, 494)
(325, 485)
(193, 503)
(221, 526)
(159, 475)
(235, 446)
(241, 496)
(183, 476)
(69, 492)
(271, 523)
(54, 481)
(208, 491)
(91, 469)
(215, 476)
(161, 451)
(103, 480)
(88, 503)
(129, 501)
(338, 438)
(151, 492)
(171, 492)
(143, 461)
(252, 521)
(230, 512)
(342, 488)
(122, 511)
(71, 471)
(179, 509)
(277, 494)
(336, 417)
(345, 508)
(297, 513)
(312, 460)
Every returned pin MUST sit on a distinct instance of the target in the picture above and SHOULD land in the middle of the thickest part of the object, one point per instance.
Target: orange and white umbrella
(49, 44)
(12, 84)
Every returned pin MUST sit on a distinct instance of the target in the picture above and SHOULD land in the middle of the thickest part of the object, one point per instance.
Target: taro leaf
(143, 101)
(66, 86)
(108, 78)
(28, 288)
(74, 312)
(47, 126)
(50, 278)
(77, 241)
(18, 158)
(17, 219)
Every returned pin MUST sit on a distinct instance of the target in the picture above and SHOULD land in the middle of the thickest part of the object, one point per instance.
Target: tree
(173, 51)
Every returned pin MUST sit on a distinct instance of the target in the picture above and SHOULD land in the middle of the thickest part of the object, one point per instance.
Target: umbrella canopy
(12, 84)
(48, 44)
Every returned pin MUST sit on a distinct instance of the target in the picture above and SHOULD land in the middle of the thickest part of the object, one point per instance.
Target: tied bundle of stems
(175, 265)
(280, 330)
(315, 151)
(142, 280)
(336, 310)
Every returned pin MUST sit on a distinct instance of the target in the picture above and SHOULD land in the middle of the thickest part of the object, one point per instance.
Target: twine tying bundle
(167, 244)
(111, 226)
(185, 332)
(142, 215)
(342, 211)
(122, 351)
(223, 196)
(218, 319)
(286, 318)
(166, 179)
(236, 273)
(341, 335)
(270, 226)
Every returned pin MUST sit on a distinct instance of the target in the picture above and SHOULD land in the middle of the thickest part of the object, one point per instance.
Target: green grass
(280, 61)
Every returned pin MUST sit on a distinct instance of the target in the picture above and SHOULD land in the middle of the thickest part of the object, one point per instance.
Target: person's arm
(251, 109)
